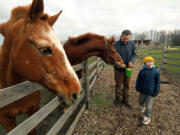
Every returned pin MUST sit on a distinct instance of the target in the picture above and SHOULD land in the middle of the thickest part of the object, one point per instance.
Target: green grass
(101, 100)
(157, 57)
(92, 59)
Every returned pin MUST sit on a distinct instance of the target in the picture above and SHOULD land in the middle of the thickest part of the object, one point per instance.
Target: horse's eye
(45, 50)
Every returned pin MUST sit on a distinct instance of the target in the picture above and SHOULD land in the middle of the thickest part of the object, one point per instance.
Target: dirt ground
(104, 118)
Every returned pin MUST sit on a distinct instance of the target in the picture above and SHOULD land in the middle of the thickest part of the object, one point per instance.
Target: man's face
(125, 38)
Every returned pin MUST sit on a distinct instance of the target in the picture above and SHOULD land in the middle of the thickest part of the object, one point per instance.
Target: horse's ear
(69, 38)
(111, 40)
(2, 28)
(73, 40)
(36, 9)
(52, 19)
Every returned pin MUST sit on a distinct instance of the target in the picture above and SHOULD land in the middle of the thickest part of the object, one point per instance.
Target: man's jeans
(146, 101)
(122, 86)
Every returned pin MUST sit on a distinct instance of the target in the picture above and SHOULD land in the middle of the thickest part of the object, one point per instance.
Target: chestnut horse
(90, 44)
(32, 51)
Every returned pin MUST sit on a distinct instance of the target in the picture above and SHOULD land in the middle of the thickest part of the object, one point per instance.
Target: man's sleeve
(133, 53)
(116, 47)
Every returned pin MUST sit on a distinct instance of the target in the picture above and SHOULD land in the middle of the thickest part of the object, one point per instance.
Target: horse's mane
(84, 38)
(16, 14)
(22, 12)
(19, 12)
(111, 39)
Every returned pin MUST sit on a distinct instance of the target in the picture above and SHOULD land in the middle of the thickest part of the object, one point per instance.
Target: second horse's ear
(111, 40)
(53, 19)
(3, 28)
(36, 10)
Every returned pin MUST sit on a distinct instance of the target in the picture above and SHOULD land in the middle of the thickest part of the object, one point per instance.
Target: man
(126, 50)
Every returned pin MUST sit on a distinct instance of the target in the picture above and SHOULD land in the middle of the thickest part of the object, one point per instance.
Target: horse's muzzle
(66, 103)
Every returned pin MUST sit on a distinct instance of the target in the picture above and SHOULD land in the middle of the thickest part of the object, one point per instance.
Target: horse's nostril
(74, 96)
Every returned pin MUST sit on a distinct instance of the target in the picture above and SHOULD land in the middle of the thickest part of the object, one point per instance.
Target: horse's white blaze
(42, 42)
(52, 36)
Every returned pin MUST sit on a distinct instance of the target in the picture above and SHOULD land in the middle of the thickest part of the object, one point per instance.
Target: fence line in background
(162, 61)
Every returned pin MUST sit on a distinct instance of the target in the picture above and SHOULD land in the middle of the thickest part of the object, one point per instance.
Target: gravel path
(105, 119)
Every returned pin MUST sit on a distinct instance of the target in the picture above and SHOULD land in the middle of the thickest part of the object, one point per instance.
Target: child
(148, 84)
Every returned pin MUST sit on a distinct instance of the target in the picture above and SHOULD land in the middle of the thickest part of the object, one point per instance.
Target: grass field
(158, 57)
(92, 59)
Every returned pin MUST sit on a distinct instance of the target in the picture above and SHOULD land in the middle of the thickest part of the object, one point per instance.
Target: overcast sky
(105, 17)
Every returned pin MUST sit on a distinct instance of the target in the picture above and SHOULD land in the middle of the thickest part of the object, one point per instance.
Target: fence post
(98, 66)
(149, 51)
(142, 43)
(86, 82)
(142, 54)
(164, 53)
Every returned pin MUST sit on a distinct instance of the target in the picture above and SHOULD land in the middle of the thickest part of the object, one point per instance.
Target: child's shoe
(146, 120)
(142, 109)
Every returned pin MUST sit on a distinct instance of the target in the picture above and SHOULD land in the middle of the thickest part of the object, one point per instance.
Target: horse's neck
(4, 60)
(7, 76)
(77, 53)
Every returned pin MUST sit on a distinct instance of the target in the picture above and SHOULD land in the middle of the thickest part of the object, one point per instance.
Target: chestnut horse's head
(91, 44)
(110, 54)
(36, 53)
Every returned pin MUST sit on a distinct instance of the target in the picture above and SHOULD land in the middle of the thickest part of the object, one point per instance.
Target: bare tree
(142, 36)
(175, 38)
(135, 36)
(151, 34)
(162, 36)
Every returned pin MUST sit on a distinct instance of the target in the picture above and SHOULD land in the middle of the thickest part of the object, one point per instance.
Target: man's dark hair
(126, 32)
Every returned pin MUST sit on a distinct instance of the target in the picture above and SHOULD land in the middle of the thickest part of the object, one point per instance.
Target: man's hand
(130, 64)
(123, 66)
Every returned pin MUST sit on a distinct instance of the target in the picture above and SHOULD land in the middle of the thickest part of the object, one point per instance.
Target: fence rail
(59, 124)
(16, 92)
(172, 51)
(171, 58)
(13, 93)
(170, 70)
(172, 64)
(155, 53)
(26, 126)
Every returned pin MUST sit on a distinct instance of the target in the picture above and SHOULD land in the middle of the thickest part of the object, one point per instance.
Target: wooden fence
(13, 93)
(162, 57)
